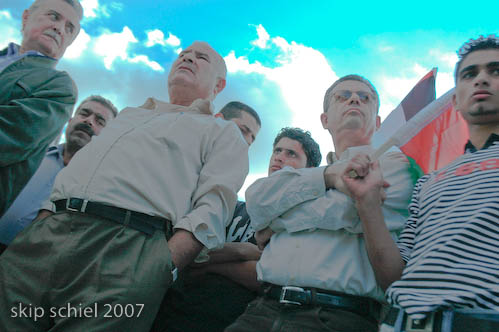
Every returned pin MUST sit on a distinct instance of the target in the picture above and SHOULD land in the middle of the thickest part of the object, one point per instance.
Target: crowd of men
(133, 224)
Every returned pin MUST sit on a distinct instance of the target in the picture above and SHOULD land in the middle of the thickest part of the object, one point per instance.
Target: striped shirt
(451, 240)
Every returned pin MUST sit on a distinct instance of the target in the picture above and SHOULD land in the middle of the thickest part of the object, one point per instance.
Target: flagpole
(407, 131)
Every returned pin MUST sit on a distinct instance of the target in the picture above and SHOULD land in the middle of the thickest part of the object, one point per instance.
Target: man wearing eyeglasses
(315, 268)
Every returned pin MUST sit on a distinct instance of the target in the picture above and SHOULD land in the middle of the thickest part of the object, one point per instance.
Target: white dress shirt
(319, 240)
(165, 160)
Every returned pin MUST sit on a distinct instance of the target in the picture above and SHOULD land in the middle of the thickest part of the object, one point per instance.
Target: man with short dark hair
(89, 119)
(35, 99)
(217, 292)
(244, 117)
(314, 266)
(133, 207)
(448, 252)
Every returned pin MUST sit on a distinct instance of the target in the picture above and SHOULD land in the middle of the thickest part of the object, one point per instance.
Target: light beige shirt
(319, 241)
(165, 160)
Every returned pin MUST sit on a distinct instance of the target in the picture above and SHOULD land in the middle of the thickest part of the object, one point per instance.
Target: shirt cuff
(203, 232)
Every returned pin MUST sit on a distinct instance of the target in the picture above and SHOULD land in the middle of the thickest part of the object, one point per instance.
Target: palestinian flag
(428, 131)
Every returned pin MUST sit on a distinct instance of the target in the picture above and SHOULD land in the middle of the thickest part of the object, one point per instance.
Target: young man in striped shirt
(447, 258)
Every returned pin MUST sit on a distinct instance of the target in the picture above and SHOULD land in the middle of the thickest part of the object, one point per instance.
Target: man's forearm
(184, 247)
(383, 253)
(244, 273)
(235, 251)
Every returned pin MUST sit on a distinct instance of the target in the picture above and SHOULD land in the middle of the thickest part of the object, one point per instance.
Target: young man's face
(477, 88)
(50, 28)
(287, 152)
(248, 126)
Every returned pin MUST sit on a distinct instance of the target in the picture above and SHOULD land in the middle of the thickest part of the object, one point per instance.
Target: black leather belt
(311, 296)
(457, 320)
(136, 220)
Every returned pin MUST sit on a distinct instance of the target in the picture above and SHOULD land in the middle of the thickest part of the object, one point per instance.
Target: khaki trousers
(76, 272)
(267, 315)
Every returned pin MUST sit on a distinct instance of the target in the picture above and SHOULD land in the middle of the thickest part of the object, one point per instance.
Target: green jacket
(35, 102)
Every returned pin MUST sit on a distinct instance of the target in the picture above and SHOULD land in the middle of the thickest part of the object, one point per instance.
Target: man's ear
(454, 101)
(324, 120)
(378, 122)
(219, 115)
(220, 85)
(25, 18)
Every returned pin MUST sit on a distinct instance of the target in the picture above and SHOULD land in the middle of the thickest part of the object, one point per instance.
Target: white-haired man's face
(198, 68)
(50, 28)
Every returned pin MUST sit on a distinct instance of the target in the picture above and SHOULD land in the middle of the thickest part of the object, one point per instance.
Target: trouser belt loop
(397, 327)
(447, 317)
(128, 214)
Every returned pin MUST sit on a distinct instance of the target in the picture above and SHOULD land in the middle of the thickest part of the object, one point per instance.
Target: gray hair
(101, 100)
(327, 96)
(73, 3)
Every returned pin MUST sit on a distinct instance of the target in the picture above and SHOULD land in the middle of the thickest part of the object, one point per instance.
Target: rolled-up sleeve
(214, 200)
(332, 209)
(268, 198)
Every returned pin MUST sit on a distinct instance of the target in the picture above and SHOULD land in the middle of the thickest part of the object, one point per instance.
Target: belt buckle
(81, 209)
(420, 325)
(284, 289)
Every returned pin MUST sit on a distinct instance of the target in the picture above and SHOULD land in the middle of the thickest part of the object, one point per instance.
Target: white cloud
(386, 48)
(80, 44)
(173, 40)
(9, 29)
(263, 37)
(90, 8)
(448, 59)
(144, 59)
(157, 37)
(93, 9)
(111, 46)
(114, 45)
(303, 75)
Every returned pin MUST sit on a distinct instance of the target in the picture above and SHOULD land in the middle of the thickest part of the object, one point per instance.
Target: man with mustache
(35, 99)
(315, 268)
(134, 206)
(89, 119)
(221, 289)
(447, 256)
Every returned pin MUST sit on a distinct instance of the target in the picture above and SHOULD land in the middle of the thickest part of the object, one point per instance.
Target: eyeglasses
(344, 95)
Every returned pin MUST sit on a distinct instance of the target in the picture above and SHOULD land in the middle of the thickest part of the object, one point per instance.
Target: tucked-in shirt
(12, 55)
(165, 160)
(319, 241)
(26, 206)
(451, 241)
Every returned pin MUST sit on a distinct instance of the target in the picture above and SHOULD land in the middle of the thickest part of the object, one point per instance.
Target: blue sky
(281, 55)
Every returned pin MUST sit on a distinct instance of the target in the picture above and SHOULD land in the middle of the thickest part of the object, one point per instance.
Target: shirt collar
(13, 49)
(349, 153)
(469, 147)
(56, 150)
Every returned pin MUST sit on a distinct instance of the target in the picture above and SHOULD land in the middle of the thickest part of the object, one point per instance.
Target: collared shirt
(165, 160)
(26, 206)
(320, 242)
(451, 240)
(13, 55)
